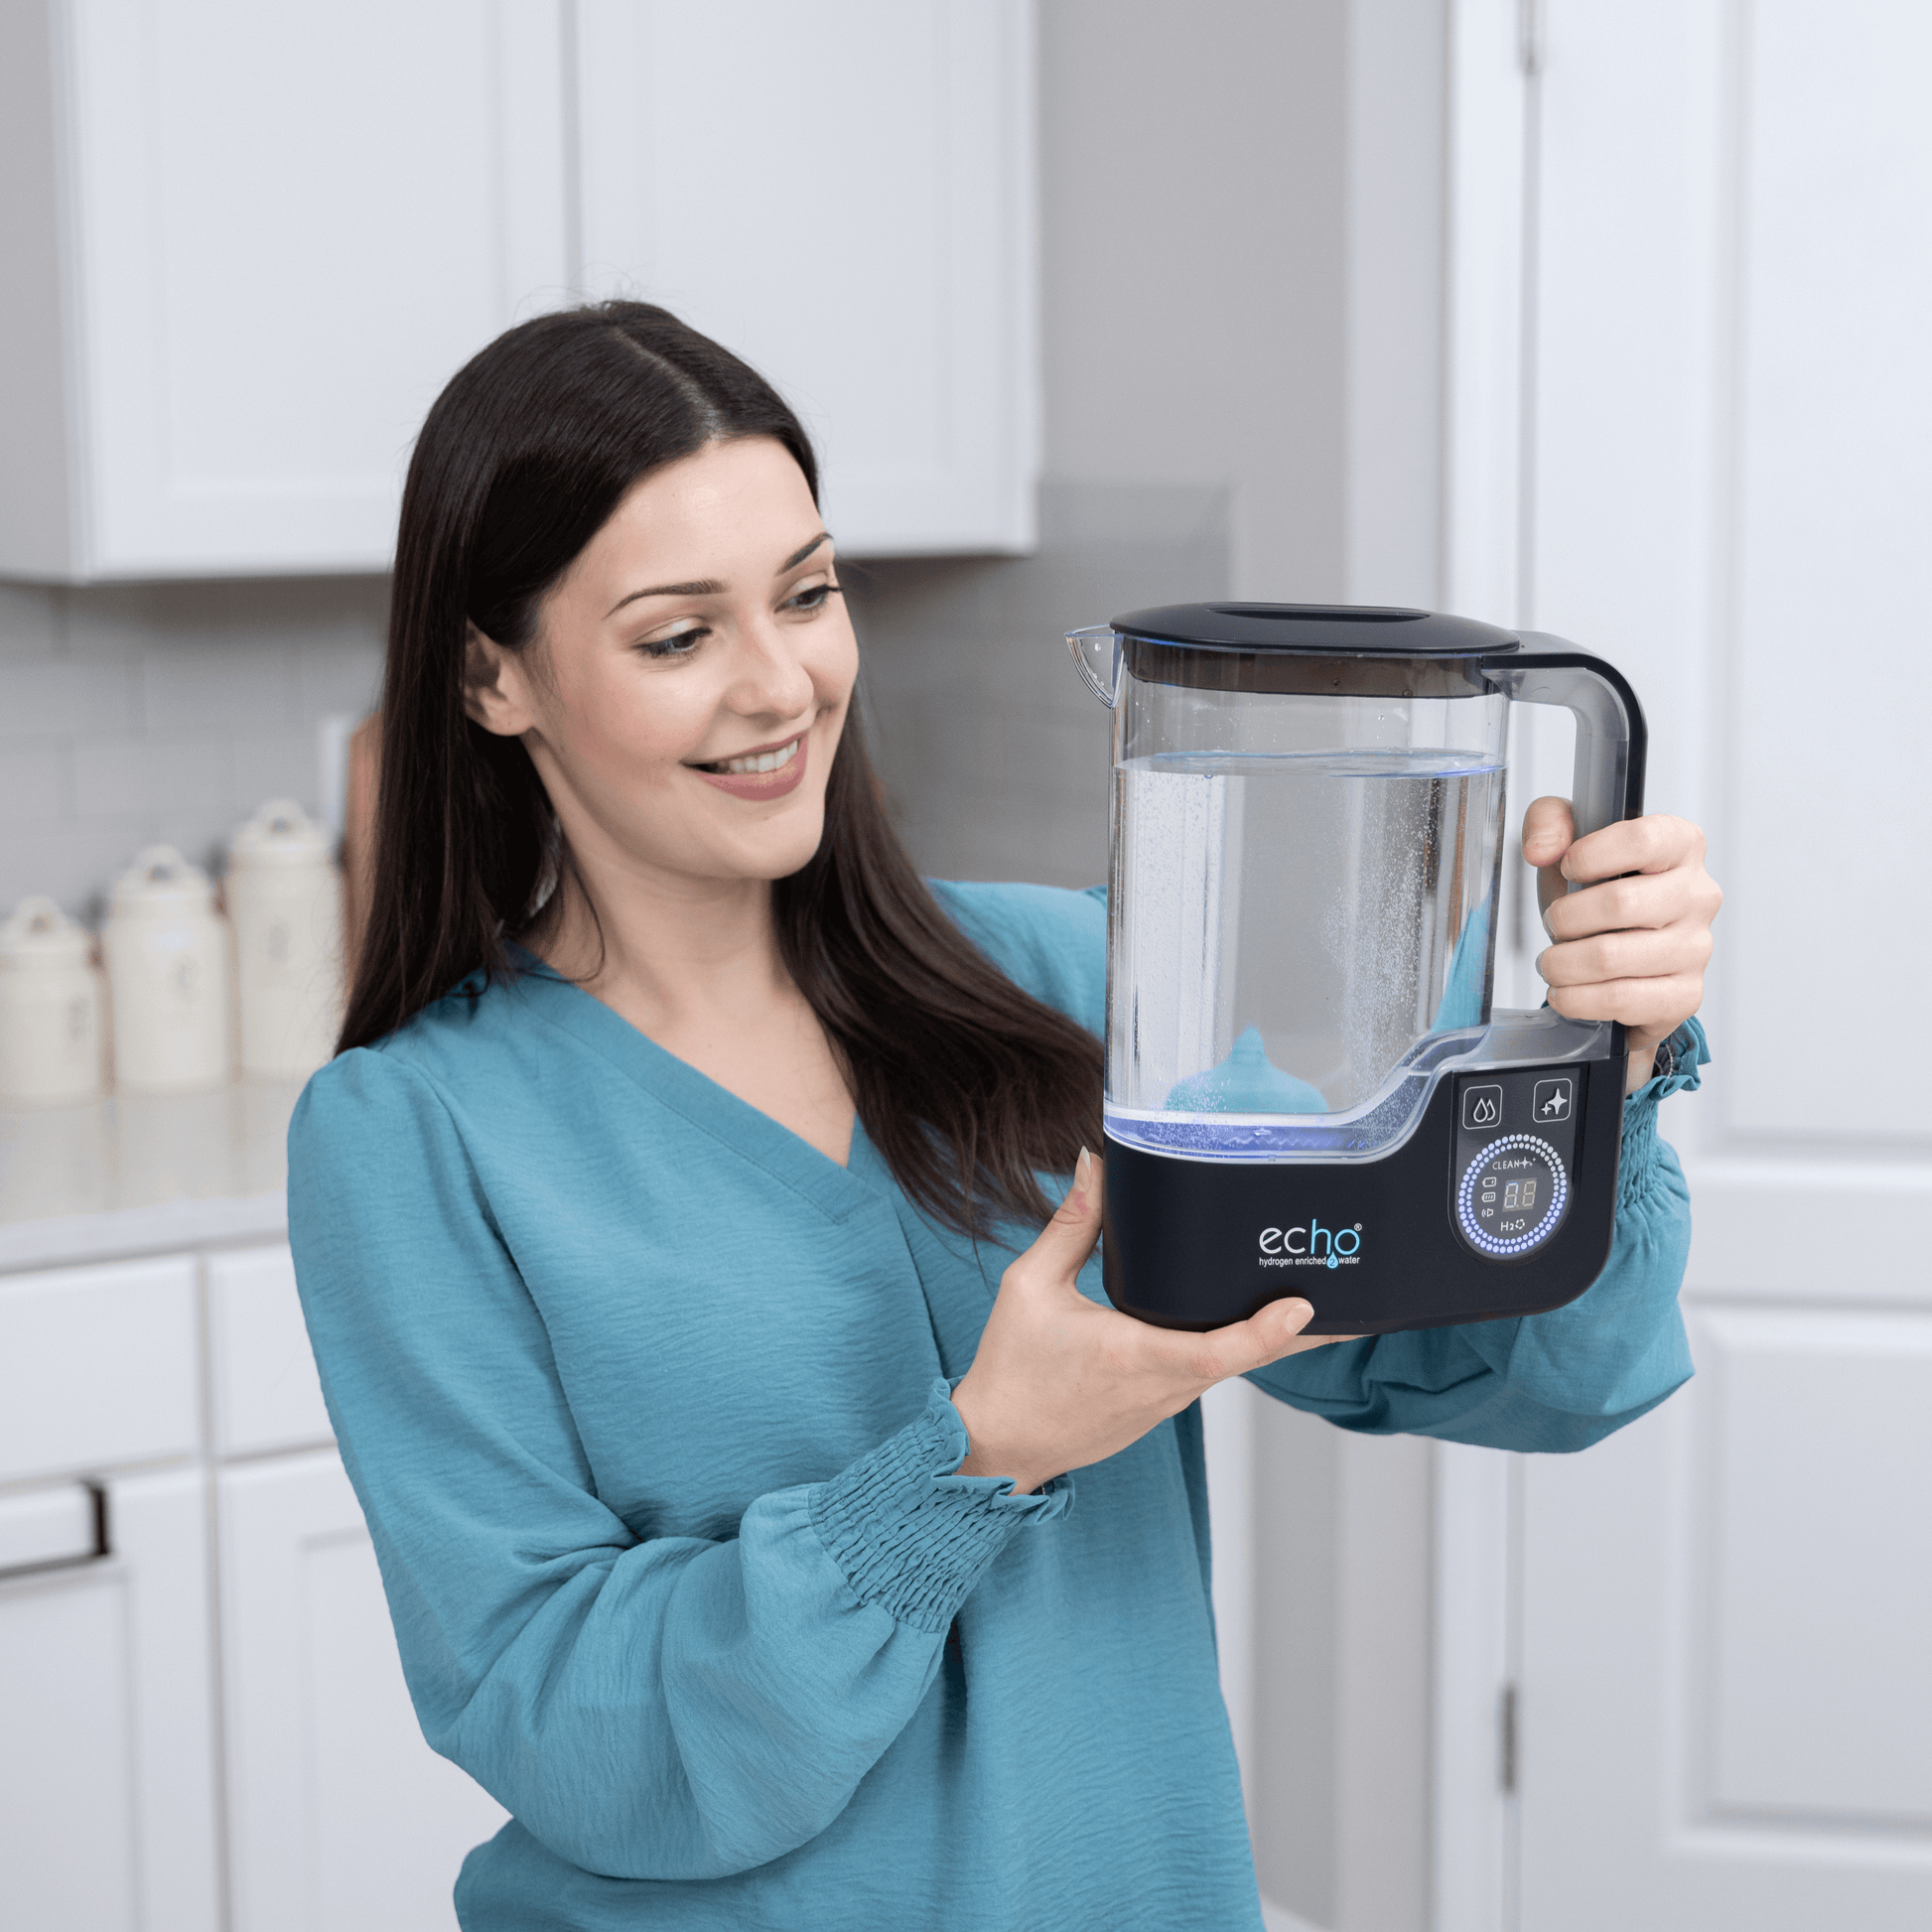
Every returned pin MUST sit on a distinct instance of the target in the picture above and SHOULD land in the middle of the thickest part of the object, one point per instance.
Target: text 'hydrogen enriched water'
(1296, 929)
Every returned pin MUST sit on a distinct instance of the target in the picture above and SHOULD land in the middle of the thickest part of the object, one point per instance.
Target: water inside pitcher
(1303, 913)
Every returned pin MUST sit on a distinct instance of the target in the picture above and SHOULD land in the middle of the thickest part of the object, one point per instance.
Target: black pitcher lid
(1319, 629)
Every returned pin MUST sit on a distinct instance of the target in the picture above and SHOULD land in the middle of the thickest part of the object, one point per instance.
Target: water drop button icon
(1482, 1108)
(1552, 1101)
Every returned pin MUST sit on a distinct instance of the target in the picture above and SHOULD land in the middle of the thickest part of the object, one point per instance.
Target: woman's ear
(494, 689)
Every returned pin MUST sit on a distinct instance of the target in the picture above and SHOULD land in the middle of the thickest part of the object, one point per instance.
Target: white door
(1693, 418)
(107, 1783)
(340, 1818)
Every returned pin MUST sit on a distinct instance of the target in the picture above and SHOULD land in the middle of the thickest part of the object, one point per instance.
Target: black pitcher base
(1489, 1209)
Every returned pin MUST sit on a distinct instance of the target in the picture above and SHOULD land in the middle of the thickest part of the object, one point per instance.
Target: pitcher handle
(1611, 741)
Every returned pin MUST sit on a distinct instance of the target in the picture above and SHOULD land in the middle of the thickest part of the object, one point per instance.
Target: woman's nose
(771, 676)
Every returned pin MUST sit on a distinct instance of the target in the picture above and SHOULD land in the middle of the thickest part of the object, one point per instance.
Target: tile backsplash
(137, 714)
(995, 756)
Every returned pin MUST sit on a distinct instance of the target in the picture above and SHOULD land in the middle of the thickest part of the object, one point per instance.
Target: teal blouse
(645, 1402)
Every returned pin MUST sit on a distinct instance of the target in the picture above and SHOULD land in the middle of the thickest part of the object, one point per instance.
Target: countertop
(143, 1174)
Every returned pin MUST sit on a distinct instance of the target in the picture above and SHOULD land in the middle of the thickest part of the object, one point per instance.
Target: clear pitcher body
(1301, 909)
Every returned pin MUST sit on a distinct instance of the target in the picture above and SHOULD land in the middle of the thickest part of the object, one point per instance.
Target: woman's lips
(783, 776)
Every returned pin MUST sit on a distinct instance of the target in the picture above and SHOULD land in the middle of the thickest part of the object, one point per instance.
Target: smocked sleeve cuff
(911, 1535)
(1681, 1061)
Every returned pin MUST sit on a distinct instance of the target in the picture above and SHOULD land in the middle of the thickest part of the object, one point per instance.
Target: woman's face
(690, 675)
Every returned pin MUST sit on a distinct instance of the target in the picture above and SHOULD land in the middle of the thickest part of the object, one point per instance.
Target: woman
(639, 1265)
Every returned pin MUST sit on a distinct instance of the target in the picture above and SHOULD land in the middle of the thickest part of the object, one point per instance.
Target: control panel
(1515, 1156)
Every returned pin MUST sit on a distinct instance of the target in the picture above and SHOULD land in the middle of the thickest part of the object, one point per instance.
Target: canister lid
(161, 880)
(1317, 629)
(40, 934)
(281, 833)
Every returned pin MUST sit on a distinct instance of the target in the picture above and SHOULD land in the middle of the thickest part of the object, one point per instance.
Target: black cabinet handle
(102, 1543)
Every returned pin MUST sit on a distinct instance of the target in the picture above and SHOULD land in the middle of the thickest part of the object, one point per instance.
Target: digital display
(1506, 1193)
(1512, 1195)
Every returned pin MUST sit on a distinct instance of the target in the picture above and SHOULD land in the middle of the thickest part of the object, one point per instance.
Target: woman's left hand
(1633, 943)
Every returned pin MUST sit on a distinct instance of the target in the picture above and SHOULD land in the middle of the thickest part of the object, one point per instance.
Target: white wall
(1193, 170)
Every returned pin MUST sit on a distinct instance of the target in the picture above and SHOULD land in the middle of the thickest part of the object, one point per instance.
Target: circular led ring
(1466, 1196)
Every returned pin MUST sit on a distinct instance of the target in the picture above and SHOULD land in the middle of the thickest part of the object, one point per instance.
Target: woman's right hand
(1060, 1382)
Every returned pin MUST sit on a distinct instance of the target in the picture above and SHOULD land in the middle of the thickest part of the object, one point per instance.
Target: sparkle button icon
(1551, 1101)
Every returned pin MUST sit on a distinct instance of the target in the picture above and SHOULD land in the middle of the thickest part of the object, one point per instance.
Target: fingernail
(1082, 1174)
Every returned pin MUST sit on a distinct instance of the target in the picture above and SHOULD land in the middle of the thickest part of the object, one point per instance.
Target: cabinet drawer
(97, 1367)
(266, 1395)
(48, 1528)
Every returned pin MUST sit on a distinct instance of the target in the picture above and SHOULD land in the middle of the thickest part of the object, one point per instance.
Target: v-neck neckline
(748, 1131)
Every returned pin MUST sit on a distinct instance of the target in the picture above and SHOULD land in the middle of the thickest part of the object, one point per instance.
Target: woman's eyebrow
(698, 587)
(798, 556)
(710, 586)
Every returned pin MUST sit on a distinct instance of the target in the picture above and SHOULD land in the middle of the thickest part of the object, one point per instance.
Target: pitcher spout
(1096, 650)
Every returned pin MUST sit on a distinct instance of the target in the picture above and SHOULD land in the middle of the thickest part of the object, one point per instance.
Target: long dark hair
(967, 1085)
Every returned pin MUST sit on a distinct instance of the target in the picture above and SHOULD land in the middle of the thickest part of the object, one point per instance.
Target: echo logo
(1311, 1246)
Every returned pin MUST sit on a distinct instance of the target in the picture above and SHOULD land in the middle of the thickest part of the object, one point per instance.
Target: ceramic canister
(285, 895)
(167, 953)
(50, 1007)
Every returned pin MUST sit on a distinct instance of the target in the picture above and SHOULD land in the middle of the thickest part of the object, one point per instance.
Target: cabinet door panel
(1806, 1554)
(107, 1792)
(341, 1818)
(293, 225)
(66, 1713)
(266, 1395)
(862, 234)
(97, 1367)
(1724, 1690)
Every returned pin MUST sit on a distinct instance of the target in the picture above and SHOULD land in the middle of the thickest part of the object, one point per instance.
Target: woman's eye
(680, 643)
(814, 599)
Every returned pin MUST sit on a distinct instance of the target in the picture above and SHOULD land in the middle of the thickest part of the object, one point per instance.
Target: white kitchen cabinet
(168, 1408)
(97, 1367)
(341, 1818)
(262, 1376)
(856, 220)
(107, 1782)
(246, 246)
